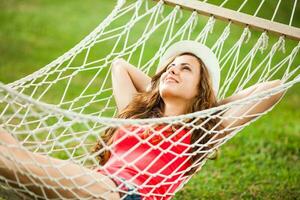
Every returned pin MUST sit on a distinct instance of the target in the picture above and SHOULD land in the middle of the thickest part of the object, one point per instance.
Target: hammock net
(66, 125)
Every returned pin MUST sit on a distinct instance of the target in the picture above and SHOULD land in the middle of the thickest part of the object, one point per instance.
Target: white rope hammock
(66, 125)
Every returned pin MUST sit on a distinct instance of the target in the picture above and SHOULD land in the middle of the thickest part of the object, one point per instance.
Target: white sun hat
(201, 51)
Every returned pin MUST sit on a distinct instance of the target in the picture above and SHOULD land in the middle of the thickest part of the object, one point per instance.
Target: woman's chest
(159, 137)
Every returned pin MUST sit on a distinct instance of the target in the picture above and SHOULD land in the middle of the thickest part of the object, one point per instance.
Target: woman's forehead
(189, 59)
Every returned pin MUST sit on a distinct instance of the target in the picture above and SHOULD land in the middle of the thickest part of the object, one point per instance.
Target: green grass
(261, 162)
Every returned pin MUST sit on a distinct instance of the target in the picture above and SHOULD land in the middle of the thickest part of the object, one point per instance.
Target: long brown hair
(149, 104)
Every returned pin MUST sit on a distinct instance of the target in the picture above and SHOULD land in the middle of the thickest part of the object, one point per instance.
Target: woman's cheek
(162, 77)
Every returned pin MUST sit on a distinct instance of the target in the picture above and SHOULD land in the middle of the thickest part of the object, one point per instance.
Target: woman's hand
(140, 79)
(127, 80)
(118, 61)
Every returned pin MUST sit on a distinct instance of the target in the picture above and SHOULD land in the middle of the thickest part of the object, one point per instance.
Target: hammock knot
(161, 9)
(195, 20)
(180, 14)
(177, 8)
(263, 40)
(246, 35)
(210, 24)
(225, 33)
(282, 44)
(279, 45)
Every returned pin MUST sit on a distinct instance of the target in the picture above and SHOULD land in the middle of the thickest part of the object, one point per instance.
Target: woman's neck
(174, 108)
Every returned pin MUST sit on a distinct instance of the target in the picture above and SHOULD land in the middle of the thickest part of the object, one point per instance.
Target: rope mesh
(56, 130)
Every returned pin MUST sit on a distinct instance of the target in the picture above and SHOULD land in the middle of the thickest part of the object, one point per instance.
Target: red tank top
(155, 161)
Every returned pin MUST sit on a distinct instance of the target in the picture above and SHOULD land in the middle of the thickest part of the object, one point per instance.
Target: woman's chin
(168, 92)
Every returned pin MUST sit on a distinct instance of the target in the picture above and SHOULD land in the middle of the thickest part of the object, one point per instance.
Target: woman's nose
(173, 70)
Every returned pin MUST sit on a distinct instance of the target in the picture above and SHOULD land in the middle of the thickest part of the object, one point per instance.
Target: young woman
(186, 81)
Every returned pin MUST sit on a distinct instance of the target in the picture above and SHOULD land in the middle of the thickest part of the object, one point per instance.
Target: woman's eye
(186, 67)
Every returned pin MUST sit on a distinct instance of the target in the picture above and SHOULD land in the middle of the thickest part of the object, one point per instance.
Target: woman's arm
(230, 121)
(50, 177)
(127, 80)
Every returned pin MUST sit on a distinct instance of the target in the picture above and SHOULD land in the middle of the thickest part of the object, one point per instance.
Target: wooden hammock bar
(237, 17)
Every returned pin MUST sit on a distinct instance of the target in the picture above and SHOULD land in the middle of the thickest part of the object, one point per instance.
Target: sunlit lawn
(261, 162)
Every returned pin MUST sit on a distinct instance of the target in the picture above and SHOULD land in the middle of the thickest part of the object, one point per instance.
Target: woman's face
(181, 78)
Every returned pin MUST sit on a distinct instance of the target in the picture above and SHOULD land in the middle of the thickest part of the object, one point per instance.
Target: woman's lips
(171, 79)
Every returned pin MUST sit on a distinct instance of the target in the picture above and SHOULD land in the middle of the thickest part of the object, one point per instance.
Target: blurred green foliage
(261, 162)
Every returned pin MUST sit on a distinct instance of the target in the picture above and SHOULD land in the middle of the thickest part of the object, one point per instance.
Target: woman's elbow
(119, 62)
